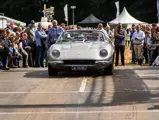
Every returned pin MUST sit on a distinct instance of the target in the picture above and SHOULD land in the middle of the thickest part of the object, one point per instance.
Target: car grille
(79, 62)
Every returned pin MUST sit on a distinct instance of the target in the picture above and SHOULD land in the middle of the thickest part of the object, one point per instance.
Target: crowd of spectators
(143, 41)
(28, 47)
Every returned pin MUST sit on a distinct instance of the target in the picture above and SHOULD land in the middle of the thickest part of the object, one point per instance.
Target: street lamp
(73, 7)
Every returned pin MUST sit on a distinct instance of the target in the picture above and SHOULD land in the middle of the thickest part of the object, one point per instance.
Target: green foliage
(26, 10)
(125, 25)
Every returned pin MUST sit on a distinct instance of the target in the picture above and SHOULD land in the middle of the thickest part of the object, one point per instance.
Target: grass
(128, 56)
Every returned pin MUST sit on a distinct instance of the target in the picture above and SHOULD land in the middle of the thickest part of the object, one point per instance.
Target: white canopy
(125, 18)
(44, 23)
(9, 20)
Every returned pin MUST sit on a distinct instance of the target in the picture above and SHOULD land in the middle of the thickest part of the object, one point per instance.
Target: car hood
(79, 46)
(89, 50)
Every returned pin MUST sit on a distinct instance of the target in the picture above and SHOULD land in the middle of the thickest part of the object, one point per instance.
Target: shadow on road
(44, 74)
(153, 75)
(129, 89)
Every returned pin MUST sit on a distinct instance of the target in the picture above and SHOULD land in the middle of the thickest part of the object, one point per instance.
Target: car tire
(109, 70)
(52, 71)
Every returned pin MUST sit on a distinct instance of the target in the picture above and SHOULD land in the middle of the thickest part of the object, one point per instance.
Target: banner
(117, 7)
(44, 6)
(66, 12)
(157, 8)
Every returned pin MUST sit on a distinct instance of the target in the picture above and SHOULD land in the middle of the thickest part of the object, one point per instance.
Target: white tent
(126, 18)
(44, 23)
(10, 20)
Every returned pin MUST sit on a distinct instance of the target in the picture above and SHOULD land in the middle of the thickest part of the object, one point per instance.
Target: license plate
(79, 68)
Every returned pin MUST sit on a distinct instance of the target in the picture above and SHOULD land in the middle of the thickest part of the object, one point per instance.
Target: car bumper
(97, 65)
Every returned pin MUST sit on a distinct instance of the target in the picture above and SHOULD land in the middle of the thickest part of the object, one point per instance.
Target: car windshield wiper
(67, 40)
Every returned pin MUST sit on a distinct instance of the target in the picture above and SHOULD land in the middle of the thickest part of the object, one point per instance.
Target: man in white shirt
(138, 40)
(100, 27)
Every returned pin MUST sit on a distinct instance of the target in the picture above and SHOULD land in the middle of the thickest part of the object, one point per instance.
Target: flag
(66, 12)
(117, 7)
(157, 8)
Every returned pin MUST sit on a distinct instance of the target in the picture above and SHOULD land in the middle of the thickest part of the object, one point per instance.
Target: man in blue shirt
(54, 33)
(40, 37)
(4, 50)
(134, 60)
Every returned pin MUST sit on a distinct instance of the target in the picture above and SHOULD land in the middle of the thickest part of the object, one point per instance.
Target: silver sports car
(81, 50)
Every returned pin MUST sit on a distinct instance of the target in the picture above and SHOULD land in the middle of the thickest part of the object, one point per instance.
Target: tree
(26, 10)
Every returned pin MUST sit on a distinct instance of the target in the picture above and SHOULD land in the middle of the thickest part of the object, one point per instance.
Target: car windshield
(81, 36)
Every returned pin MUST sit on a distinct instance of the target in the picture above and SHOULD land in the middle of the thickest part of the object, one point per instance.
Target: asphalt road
(132, 93)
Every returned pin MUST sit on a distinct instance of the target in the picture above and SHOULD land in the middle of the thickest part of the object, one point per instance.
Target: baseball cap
(32, 22)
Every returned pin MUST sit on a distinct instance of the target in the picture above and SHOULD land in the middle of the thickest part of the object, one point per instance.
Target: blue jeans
(150, 57)
(155, 53)
(134, 59)
(46, 64)
(39, 56)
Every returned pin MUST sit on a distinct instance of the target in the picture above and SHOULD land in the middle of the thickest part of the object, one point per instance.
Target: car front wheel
(52, 71)
(109, 70)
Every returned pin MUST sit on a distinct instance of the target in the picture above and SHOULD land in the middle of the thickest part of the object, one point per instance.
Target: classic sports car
(81, 50)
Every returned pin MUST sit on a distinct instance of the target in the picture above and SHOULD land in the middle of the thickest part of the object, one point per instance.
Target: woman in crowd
(109, 32)
(4, 50)
(127, 40)
(13, 57)
(18, 61)
(25, 49)
(148, 45)
(155, 44)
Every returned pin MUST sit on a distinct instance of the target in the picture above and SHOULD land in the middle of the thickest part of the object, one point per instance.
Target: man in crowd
(20, 30)
(148, 44)
(138, 40)
(132, 44)
(155, 44)
(63, 25)
(4, 50)
(31, 41)
(54, 33)
(119, 44)
(40, 46)
(100, 27)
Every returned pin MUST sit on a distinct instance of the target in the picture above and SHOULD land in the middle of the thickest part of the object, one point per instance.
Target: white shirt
(140, 37)
(104, 31)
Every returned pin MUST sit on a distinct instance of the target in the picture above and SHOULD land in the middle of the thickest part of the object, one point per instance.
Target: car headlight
(56, 53)
(103, 53)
